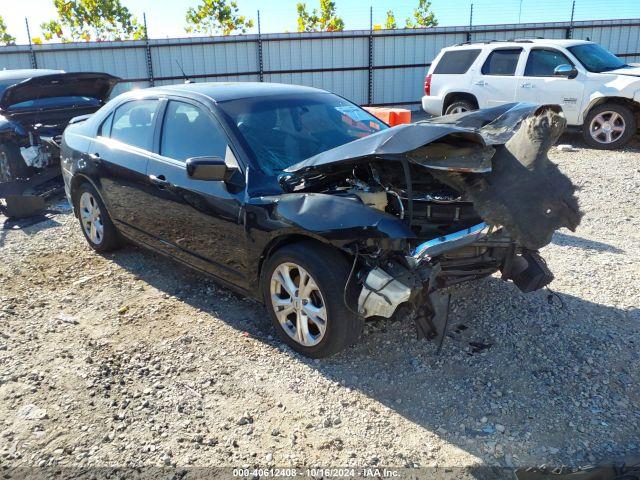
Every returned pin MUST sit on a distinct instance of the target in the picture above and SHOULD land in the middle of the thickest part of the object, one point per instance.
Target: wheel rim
(607, 127)
(298, 304)
(459, 109)
(91, 218)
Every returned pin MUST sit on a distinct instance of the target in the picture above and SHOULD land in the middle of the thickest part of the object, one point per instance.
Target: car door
(539, 85)
(495, 83)
(198, 221)
(120, 153)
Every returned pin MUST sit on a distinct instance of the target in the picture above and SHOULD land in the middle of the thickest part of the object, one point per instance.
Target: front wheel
(303, 286)
(609, 126)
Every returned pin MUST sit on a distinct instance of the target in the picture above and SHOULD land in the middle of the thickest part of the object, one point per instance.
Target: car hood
(631, 71)
(85, 84)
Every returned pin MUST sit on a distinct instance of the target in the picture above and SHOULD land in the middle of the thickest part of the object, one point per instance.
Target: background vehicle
(596, 90)
(299, 198)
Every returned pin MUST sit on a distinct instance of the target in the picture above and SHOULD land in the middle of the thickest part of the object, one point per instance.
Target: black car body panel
(383, 200)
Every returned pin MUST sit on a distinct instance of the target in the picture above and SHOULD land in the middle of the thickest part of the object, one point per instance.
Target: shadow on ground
(555, 375)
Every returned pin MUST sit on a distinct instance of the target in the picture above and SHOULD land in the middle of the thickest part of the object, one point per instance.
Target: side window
(541, 63)
(105, 128)
(188, 131)
(502, 62)
(133, 123)
(456, 62)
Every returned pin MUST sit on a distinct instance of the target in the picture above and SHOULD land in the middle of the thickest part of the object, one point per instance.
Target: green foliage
(216, 16)
(5, 37)
(326, 20)
(92, 20)
(390, 23)
(422, 16)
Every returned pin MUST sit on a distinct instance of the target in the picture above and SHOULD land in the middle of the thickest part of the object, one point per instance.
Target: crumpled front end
(475, 194)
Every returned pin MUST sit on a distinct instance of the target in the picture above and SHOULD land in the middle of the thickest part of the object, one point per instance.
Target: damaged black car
(305, 201)
(35, 107)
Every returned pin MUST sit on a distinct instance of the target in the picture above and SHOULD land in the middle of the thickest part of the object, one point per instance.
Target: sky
(165, 18)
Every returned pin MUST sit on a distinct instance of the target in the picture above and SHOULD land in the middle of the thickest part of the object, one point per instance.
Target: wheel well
(627, 102)
(458, 97)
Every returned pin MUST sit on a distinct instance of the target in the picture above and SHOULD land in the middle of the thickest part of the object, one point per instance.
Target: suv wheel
(97, 227)
(460, 106)
(303, 288)
(609, 126)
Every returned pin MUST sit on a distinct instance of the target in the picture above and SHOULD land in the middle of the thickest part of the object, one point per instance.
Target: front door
(539, 85)
(198, 221)
(495, 84)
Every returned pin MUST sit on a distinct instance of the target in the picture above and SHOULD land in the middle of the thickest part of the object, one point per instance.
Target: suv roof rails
(484, 42)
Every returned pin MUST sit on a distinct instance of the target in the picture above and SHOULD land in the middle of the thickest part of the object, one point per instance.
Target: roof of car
(223, 91)
(523, 41)
(26, 73)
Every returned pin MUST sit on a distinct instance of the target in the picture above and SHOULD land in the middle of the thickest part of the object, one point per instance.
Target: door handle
(526, 85)
(159, 181)
(481, 83)
(95, 157)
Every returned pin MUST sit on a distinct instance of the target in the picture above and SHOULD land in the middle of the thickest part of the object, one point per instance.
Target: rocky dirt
(128, 359)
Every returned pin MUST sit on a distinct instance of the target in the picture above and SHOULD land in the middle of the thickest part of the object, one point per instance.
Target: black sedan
(303, 200)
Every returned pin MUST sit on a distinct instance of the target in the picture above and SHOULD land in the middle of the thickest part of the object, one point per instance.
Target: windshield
(595, 58)
(55, 102)
(283, 130)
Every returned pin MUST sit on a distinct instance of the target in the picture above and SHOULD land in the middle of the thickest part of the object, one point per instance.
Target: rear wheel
(303, 287)
(609, 126)
(96, 224)
(460, 106)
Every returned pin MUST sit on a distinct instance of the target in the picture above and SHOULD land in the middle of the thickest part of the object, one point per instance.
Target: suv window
(188, 132)
(456, 61)
(542, 62)
(502, 62)
(133, 123)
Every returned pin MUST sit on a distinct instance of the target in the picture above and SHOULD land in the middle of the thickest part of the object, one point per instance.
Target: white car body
(577, 96)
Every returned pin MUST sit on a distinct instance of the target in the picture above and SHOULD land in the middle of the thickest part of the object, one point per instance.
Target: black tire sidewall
(630, 126)
(111, 237)
(330, 269)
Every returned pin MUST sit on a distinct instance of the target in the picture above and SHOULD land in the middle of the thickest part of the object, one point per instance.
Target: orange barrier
(391, 116)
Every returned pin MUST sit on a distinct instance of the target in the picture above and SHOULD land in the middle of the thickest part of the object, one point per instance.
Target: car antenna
(184, 75)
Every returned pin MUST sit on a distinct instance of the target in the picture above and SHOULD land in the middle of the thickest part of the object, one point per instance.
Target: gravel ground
(131, 360)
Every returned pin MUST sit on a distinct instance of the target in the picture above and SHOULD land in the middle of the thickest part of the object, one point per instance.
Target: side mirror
(209, 168)
(567, 71)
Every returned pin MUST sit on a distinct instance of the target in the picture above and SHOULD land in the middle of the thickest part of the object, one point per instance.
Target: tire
(96, 225)
(460, 106)
(12, 166)
(600, 132)
(328, 270)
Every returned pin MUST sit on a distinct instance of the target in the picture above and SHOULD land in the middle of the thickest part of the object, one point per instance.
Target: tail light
(427, 85)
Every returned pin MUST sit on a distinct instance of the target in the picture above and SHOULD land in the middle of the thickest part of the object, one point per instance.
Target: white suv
(596, 90)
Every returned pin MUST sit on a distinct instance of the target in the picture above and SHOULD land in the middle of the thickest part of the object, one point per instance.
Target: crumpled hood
(497, 158)
(85, 84)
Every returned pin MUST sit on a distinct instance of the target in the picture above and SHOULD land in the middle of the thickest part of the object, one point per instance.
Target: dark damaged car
(35, 107)
(299, 198)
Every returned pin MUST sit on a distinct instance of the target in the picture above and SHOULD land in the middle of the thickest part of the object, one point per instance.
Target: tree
(326, 20)
(5, 37)
(390, 24)
(89, 20)
(216, 16)
(422, 16)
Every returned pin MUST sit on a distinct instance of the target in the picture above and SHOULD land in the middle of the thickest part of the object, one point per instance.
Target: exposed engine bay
(480, 197)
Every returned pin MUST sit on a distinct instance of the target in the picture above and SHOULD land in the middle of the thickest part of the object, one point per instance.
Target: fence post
(32, 53)
(370, 85)
(147, 48)
(260, 57)
(470, 23)
(570, 29)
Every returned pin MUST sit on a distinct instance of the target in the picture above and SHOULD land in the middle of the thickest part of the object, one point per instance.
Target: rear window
(502, 62)
(456, 61)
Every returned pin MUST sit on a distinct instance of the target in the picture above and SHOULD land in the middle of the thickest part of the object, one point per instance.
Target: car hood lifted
(438, 202)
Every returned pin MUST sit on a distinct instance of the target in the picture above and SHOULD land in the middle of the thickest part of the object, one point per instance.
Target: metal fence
(373, 67)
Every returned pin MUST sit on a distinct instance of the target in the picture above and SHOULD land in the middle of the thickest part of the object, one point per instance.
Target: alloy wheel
(298, 304)
(459, 109)
(607, 127)
(91, 218)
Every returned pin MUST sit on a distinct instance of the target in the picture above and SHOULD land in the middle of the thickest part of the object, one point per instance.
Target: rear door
(495, 83)
(198, 221)
(538, 84)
